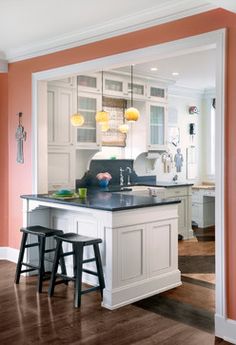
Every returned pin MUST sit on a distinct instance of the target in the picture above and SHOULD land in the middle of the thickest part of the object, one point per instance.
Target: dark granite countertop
(166, 184)
(106, 201)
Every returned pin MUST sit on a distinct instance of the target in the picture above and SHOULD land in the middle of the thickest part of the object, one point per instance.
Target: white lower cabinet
(184, 194)
(61, 167)
(145, 251)
(131, 261)
(203, 208)
(139, 247)
(162, 244)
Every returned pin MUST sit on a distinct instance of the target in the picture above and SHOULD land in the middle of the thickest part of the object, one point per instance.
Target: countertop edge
(114, 209)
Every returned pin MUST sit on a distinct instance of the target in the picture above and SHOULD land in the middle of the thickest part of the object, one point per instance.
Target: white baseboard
(225, 329)
(10, 254)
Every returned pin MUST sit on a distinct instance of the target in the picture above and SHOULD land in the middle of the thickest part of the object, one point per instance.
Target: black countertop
(167, 184)
(106, 201)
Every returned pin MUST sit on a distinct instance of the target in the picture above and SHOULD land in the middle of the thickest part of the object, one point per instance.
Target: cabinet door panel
(87, 135)
(131, 254)
(60, 169)
(160, 255)
(51, 115)
(157, 93)
(60, 109)
(157, 125)
(63, 125)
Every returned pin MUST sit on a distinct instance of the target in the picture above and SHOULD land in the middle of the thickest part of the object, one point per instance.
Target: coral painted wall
(19, 79)
(4, 158)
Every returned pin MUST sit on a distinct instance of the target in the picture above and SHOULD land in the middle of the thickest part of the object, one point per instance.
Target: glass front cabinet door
(87, 135)
(157, 93)
(157, 127)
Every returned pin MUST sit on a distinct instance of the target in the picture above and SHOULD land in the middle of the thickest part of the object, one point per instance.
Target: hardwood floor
(28, 318)
(195, 248)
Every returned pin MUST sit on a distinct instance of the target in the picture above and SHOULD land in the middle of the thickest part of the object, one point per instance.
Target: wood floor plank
(27, 318)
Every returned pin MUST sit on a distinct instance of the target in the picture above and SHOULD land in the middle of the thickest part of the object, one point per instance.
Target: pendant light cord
(102, 90)
(132, 85)
(77, 96)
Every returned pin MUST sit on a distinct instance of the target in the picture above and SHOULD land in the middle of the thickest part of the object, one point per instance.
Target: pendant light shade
(123, 128)
(77, 119)
(132, 114)
(105, 126)
(102, 116)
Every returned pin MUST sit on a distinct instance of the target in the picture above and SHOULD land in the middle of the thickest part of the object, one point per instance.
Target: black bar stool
(42, 233)
(78, 243)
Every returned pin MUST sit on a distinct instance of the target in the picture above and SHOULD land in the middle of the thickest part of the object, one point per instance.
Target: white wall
(179, 101)
(180, 104)
(206, 137)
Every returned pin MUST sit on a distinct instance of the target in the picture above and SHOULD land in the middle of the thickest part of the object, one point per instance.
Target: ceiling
(30, 27)
(196, 70)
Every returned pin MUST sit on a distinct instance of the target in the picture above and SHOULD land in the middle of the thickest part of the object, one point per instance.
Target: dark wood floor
(29, 318)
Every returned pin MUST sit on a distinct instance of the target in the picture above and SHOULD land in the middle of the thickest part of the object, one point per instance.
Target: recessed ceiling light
(153, 69)
(175, 73)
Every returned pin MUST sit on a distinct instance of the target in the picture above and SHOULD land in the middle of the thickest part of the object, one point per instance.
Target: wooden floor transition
(30, 318)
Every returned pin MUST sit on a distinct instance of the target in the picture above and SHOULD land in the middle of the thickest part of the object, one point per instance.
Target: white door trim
(212, 39)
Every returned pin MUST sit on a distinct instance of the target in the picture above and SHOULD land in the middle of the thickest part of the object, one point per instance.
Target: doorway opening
(213, 40)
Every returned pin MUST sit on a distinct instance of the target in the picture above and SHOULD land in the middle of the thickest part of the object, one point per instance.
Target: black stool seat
(42, 233)
(78, 243)
(72, 237)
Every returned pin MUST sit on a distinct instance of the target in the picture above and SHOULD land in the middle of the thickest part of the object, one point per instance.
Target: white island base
(139, 250)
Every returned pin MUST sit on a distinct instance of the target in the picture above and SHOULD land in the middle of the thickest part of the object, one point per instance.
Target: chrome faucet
(121, 177)
(129, 170)
(175, 178)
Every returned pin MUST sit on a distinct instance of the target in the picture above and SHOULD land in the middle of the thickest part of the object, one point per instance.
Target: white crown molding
(148, 77)
(3, 66)
(115, 27)
(210, 93)
(186, 92)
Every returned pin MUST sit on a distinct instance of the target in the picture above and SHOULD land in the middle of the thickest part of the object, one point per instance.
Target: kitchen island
(140, 239)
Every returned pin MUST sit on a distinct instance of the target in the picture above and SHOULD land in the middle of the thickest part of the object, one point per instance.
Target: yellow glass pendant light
(132, 114)
(102, 116)
(105, 126)
(124, 128)
(77, 119)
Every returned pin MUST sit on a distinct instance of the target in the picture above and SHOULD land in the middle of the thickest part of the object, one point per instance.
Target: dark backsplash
(113, 167)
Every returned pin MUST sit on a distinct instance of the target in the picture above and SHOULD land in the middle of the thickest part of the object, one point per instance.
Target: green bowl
(64, 192)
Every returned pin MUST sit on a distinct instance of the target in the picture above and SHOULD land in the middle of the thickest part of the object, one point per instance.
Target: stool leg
(99, 268)
(54, 268)
(74, 259)
(78, 277)
(21, 257)
(41, 263)
(63, 265)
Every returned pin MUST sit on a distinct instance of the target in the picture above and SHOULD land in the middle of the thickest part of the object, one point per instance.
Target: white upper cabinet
(115, 85)
(157, 93)
(66, 82)
(157, 126)
(88, 135)
(139, 89)
(60, 109)
(89, 83)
